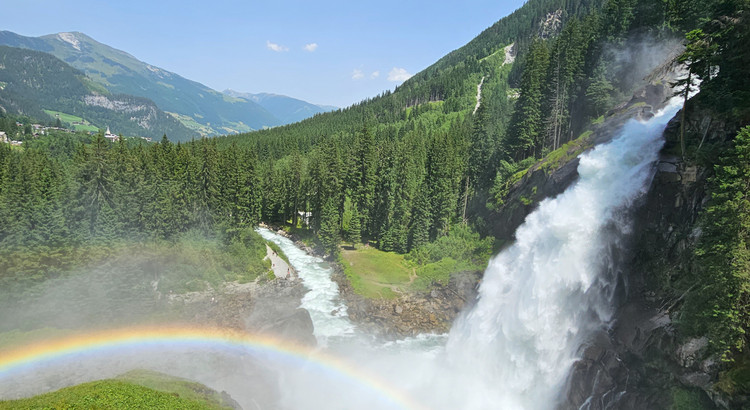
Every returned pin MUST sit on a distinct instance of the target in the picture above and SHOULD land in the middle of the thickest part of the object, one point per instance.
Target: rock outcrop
(550, 178)
(269, 308)
(410, 314)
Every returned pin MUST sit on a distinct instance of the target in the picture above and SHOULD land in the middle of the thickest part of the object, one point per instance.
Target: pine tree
(527, 120)
(330, 227)
(350, 222)
(720, 306)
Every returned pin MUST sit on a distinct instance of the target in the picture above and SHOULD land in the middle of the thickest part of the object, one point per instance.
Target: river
(327, 311)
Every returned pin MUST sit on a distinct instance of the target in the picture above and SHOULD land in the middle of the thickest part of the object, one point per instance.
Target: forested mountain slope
(413, 162)
(197, 106)
(33, 81)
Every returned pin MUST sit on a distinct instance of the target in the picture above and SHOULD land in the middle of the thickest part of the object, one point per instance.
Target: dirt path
(280, 268)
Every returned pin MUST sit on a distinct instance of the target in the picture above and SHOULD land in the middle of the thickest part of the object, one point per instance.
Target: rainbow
(134, 337)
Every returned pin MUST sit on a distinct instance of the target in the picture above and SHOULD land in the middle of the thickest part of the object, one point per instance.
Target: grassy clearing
(383, 275)
(376, 274)
(236, 127)
(193, 125)
(70, 119)
(109, 394)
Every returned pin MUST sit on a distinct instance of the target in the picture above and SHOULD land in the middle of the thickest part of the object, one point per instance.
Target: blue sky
(325, 52)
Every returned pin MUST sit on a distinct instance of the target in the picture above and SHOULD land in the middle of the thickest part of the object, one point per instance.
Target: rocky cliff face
(554, 174)
(268, 308)
(410, 314)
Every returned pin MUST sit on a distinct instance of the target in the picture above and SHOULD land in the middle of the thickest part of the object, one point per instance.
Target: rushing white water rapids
(539, 299)
(327, 311)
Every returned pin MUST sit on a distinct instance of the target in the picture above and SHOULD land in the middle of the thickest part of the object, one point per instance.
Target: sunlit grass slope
(122, 394)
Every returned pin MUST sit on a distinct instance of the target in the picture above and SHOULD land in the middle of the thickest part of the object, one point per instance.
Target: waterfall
(544, 295)
(539, 300)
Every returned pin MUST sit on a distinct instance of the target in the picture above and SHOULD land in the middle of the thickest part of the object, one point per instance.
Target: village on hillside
(36, 130)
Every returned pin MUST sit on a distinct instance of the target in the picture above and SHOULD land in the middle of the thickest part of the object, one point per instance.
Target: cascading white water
(542, 297)
(327, 311)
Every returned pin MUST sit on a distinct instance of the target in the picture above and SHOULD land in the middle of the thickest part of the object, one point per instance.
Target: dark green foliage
(59, 193)
(330, 227)
(717, 54)
(526, 124)
(461, 244)
(351, 225)
(720, 305)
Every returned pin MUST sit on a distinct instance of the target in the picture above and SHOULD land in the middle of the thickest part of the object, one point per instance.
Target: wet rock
(667, 167)
(413, 313)
(697, 379)
(691, 351)
(296, 327)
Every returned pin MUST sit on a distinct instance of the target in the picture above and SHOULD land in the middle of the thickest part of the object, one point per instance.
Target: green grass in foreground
(109, 394)
(183, 388)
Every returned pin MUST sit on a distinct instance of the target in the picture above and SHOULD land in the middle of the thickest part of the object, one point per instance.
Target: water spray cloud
(112, 341)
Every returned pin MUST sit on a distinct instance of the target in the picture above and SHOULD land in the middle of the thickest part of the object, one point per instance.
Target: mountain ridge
(205, 111)
(285, 108)
(35, 81)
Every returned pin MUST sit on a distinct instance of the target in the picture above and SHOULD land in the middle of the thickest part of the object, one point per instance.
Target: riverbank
(412, 313)
(405, 312)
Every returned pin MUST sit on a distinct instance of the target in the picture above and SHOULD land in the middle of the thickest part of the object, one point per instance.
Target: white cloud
(311, 47)
(375, 74)
(357, 74)
(276, 47)
(398, 74)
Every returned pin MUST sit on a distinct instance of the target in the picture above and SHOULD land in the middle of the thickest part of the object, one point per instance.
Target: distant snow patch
(71, 39)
